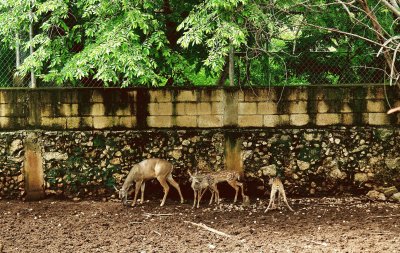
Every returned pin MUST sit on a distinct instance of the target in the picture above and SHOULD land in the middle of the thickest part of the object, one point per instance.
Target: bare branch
(391, 7)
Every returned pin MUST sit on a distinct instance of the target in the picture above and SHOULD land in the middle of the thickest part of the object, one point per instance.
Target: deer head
(123, 195)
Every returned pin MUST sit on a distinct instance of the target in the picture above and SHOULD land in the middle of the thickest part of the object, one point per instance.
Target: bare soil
(348, 224)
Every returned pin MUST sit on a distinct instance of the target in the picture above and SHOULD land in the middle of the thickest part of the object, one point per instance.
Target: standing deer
(200, 184)
(145, 170)
(231, 177)
(277, 187)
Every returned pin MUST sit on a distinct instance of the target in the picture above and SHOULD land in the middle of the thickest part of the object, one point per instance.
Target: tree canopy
(127, 42)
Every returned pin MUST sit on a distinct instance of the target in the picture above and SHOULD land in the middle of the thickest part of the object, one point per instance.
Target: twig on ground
(383, 216)
(208, 228)
(318, 243)
(158, 214)
(158, 233)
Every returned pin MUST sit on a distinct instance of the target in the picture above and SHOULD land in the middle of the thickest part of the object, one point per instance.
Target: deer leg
(199, 196)
(142, 192)
(214, 188)
(137, 188)
(271, 199)
(285, 200)
(165, 186)
(242, 191)
(194, 198)
(171, 180)
(212, 195)
(235, 186)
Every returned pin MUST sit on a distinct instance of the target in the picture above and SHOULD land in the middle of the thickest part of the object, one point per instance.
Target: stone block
(69, 110)
(376, 106)
(348, 119)
(276, 120)
(210, 121)
(186, 121)
(299, 119)
(217, 95)
(260, 95)
(298, 107)
(103, 122)
(208, 95)
(5, 110)
(297, 94)
(376, 92)
(250, 120)
(326, 119)
(4, 122)
(322, 107)
(346, 108)
(159, 121)
(2, 97)
(217, 108)
(127, 122)
(126, 111)
(54, 122)
(240, 95)
(268, 107)
(180, 109)
(191, 109)
(47, 110)
(378, 119)
(73, 122)
(160, 96)
(186, 96)
(96, 97)
(245, 108)
(98, 109)
(204, 108)
(160, 109)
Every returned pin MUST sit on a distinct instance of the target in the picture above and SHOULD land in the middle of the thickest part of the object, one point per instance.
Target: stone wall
(321, 141)
(83, 109)
(312, 161)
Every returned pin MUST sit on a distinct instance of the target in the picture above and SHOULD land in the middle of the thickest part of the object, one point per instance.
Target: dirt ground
(348, 224)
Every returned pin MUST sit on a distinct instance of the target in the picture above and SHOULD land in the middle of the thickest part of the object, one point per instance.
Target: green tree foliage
(154, 42)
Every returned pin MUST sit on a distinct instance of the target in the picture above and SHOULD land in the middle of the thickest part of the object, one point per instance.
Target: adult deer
(145, 170)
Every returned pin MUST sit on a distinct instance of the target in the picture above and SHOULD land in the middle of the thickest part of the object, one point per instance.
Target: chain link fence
(315, 68)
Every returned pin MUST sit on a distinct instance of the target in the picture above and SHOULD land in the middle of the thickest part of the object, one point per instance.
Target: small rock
(396, 197)
(76, 199)
(375, 195)
(48, 156)
(210, 246)
(392, 163)
(269, 170)
(389, 191)
(118, 154)
(15, 146)
(360, 177)
(303, 165)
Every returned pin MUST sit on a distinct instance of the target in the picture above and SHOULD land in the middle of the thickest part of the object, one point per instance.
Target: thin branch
(209, 229)
(391, 7)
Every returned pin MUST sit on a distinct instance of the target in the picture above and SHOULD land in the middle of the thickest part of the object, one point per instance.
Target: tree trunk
(379, 34)
(231, 67)
(33, 78)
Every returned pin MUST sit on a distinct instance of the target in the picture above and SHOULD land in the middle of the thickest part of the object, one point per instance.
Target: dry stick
(319, 243)
(158, 214)
(208, 228)
(384, 216)
(158, 233)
